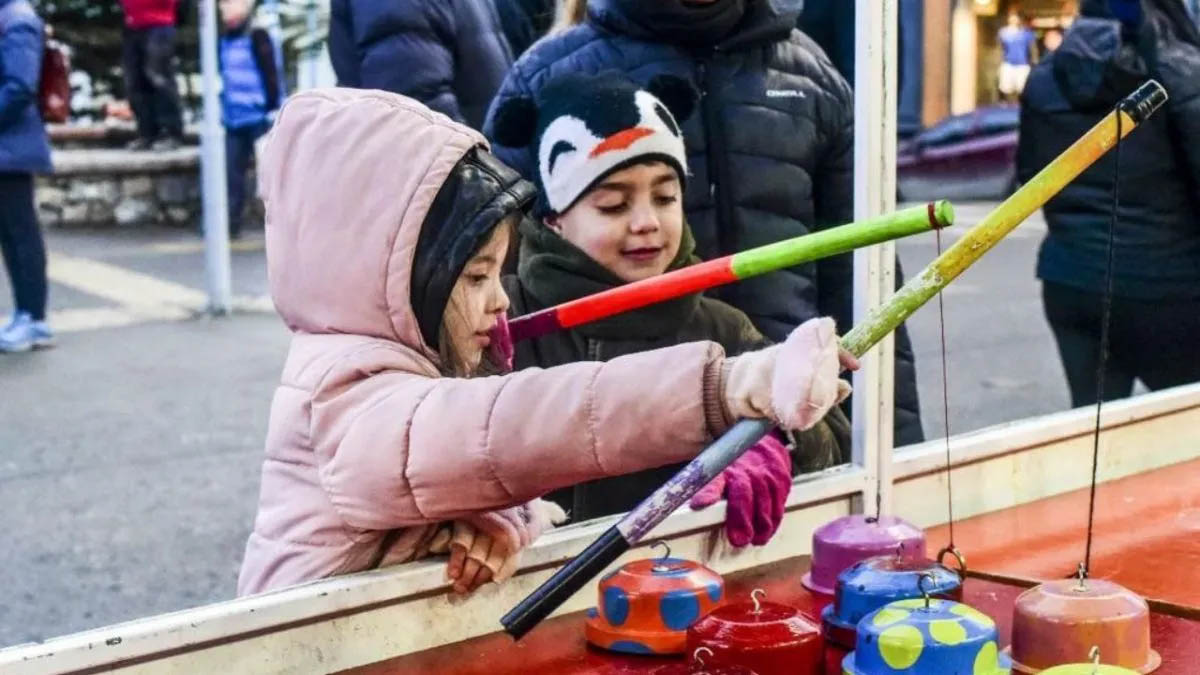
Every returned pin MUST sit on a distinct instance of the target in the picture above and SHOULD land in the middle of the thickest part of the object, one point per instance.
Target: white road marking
(140, 297)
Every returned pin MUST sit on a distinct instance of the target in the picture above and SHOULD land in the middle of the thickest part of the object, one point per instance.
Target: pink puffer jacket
(368, 449)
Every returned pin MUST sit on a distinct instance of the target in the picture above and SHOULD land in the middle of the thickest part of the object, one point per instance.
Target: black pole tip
(1144, 101)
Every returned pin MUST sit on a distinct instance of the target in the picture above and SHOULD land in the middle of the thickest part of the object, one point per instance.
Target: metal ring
(1094, 655)
(696, 654)
(754, 596)
(958, 556)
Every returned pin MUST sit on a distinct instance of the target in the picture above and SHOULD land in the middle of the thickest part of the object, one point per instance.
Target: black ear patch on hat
(676, 93)
(516, 122)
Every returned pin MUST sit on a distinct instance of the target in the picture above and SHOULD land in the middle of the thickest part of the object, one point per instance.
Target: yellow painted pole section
(979, 239)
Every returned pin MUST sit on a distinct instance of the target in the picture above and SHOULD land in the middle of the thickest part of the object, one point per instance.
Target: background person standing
(252, 87)
(24, 151)
(1109, 51)
(1017, 42)
(450, 55)
(148, 58)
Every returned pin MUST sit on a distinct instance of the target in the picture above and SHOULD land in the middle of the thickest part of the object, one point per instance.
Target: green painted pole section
(842, 239)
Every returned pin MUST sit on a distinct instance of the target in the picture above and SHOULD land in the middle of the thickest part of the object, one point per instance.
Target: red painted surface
(1146, 535)
(557, 646)
(614, 301)
(769, 639)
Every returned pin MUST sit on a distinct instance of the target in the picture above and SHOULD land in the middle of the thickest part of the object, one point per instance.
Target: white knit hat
(585, 127)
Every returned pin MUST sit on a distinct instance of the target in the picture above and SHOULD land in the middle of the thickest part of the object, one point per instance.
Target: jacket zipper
(714, 143)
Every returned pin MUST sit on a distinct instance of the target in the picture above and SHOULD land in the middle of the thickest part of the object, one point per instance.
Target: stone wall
(106, 187)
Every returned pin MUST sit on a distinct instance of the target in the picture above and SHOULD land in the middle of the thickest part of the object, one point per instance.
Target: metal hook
(1082, 573)
(661, 565)
(921, 587)
(754, 596)
(1094, 655)
(696, 654)
(665, 546)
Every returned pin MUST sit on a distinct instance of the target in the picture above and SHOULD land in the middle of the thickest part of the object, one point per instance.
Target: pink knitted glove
(500, 351)
(756, 487)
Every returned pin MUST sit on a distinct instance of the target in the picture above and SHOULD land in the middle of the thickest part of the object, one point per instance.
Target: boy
(611, 173)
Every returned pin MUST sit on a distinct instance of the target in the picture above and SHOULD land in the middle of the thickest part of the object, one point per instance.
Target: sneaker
(24, 334)
(167, 144)
(139, 144)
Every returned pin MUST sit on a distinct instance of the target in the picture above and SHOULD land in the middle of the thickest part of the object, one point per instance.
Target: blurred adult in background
(24, 151)
(450, 55)
(252, 87)
(148, 58)
(524, 21)
(1018, 44)
(1111, 49)
(770, 148)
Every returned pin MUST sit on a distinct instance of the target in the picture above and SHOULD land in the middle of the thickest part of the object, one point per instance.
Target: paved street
(129, 455)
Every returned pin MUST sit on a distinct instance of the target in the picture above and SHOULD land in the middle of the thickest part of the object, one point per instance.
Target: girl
(611, 212)
(387, 225)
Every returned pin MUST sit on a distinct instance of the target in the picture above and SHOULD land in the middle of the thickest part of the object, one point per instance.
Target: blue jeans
(239, 152)
(21, 242)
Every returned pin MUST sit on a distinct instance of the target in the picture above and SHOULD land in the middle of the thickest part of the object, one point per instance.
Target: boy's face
(234, 12)
(631, 222)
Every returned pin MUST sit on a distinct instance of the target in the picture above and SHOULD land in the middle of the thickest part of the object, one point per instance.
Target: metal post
(212, 165)
(874, 268)
(309, 76)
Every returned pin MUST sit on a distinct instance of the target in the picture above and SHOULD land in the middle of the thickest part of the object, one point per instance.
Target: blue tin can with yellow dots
(926, 637)
(646, 606)
(873, 583)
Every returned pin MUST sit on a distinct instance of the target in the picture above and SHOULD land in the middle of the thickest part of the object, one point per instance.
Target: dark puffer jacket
(770, 149)
(553, 271)
(450, 55)
(1157, 249)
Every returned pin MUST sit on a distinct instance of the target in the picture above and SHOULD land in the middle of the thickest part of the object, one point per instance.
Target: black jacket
(1157, 249)
(449, 54)
(770, 149)
(553, 271)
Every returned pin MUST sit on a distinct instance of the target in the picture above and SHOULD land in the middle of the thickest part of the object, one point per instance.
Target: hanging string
(1102, 364)
(945, 404)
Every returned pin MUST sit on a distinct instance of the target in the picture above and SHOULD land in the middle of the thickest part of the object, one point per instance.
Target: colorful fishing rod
(731, 268)
(1134, 109)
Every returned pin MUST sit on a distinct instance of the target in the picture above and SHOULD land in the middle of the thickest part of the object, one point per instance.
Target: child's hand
(477, 557)
(487, 546)
(756, 487)
(794, 383)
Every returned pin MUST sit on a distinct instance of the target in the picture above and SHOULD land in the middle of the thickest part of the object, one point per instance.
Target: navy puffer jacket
(770, 150)
(450, 55)
(1157, 247)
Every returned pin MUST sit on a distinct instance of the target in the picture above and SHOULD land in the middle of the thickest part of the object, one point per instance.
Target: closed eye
(559, 148)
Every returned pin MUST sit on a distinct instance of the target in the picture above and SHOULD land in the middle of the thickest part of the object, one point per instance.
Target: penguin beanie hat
(584, 127)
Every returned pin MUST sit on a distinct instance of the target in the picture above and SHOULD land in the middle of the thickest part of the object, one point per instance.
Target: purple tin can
(839, 544)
